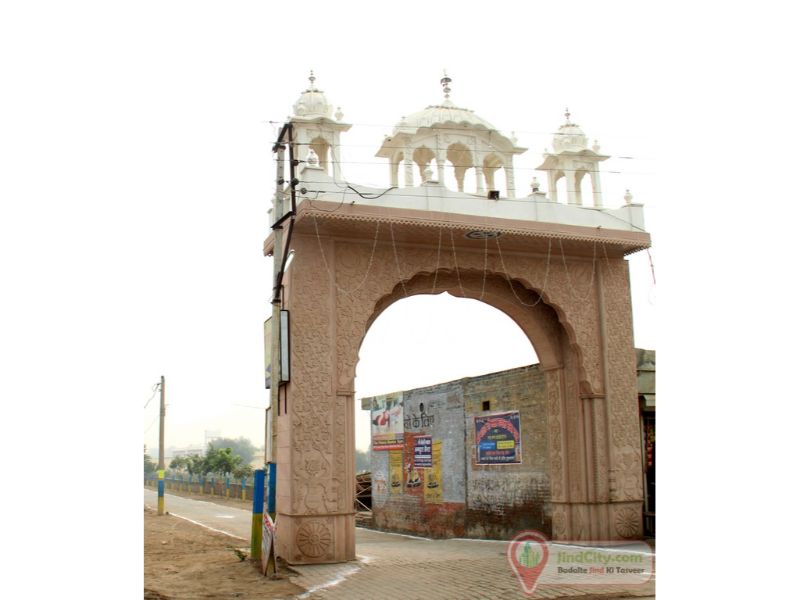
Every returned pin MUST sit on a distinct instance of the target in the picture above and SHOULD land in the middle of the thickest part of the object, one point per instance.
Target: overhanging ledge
(360, 221)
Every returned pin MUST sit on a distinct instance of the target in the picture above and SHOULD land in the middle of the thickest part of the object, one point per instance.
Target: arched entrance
(567, 288)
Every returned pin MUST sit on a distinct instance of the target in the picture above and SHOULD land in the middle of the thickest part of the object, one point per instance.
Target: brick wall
(485, 501)
(505, 499)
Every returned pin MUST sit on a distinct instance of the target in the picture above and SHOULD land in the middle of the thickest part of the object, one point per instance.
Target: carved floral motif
(335, 300)
(627, 522)
(313, 538)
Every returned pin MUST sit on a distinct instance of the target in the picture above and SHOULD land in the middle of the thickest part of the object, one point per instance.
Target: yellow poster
(433, 476)
(395, 471)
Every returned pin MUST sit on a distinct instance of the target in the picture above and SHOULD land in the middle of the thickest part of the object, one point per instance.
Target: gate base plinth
(316, 539)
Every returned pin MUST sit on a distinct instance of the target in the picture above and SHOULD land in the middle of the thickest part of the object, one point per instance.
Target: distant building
(469, 458)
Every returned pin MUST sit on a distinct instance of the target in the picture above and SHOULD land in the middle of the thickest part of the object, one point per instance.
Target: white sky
(136, 174)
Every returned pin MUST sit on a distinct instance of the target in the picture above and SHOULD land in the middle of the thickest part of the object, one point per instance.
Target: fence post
(258, 514)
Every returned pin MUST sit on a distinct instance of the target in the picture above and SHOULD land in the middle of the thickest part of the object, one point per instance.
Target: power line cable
(516, 168)
(155, 391)
(501, 132)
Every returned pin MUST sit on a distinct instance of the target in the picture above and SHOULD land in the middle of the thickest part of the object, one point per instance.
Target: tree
(149, 463)
(222, 460)
(240, 447)
(195, 464)
(243, 470)
(179, 463)
(362, 461)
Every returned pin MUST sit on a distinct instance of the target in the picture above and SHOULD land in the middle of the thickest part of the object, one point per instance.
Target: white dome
(445, 114)
(570, 137)
(312, 102)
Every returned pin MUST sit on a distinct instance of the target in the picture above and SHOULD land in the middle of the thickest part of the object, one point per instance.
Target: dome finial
(566, 114)
(311, 79)
(445, 81)
(628, 196)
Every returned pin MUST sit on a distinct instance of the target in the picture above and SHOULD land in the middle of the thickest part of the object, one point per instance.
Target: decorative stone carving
(627, 522)
(553, 383)
(627, 475)
(313, 538)
(353, 282)
(559, 522)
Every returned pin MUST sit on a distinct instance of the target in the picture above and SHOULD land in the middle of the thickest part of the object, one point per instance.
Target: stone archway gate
(566, 286)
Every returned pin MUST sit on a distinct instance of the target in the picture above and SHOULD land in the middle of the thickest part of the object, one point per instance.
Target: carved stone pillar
(569, 175)
(316, 430)
(597, 193)
(408, 166)
(552, 180)
(336, 158)
(509, 169)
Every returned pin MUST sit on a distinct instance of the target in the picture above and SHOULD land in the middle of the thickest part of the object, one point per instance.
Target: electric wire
(155, 391)
(383, 165)
(491, 130)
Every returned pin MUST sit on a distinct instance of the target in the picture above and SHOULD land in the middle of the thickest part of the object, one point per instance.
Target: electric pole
(161, 451)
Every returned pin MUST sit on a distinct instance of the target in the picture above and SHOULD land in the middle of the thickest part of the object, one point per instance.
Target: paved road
(398, 567)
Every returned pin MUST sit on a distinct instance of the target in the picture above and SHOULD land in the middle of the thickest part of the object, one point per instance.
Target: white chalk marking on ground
(223, 516)
(200, 501)
(207, 527)
(339, 579)
(405, 535)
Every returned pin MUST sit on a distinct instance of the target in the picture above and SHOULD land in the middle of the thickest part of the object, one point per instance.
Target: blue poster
(498, 439)
(423, 456)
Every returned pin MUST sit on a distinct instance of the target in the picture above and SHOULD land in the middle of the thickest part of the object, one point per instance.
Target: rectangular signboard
(284, 336)
(268, 353)
(433, 476)
(422, 451)
(267, 545)
(497, 439)
(395, 472)
(387, 422)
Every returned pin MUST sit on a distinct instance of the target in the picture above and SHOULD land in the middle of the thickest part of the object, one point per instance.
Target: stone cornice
(627, 242)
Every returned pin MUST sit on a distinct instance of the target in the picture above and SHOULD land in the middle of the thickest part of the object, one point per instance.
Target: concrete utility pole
(161, 452)
(270, 444)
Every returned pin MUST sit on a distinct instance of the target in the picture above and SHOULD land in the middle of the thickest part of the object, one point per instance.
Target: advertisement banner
(497, 439)
(433, 476)
(422, 451)
(395, 471)
(386, 416)
(267, 545)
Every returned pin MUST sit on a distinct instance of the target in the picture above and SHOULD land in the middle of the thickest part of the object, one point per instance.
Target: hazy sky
(154, 259)
(135, 176)
(192, 215)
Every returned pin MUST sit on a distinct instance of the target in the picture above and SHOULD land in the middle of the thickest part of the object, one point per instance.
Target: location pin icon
(527, 554)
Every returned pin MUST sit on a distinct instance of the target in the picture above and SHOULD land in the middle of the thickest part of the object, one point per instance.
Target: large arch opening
(458, 369)
(425, 340)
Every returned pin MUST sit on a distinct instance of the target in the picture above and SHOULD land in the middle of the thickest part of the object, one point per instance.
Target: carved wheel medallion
(627, 523)
(313, 538)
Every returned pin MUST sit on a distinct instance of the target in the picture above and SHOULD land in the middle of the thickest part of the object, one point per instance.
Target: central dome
(446, 114)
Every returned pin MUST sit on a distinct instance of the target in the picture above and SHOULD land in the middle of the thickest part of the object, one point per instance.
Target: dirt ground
(183, 561)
